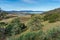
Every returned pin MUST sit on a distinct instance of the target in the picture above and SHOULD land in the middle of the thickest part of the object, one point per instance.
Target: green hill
(44, 26)
(57, 10)
(52, 15)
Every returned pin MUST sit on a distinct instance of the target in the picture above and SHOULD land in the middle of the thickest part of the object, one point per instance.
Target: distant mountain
(30, 11)
(25, 12)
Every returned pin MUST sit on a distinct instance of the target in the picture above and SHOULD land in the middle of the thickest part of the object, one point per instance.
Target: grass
(7, 20)
(46, 27)
(50, 25)
(24, 19)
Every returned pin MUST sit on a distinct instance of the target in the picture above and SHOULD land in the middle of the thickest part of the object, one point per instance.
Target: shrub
(34, 23)
(2, 30)
(2, 24)
(3, 15)
(52, 17)
(39, 35)
(53, 34)
(15, 27)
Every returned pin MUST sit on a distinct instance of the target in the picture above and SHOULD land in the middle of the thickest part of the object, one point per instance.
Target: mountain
(26, 12)
(57, 10)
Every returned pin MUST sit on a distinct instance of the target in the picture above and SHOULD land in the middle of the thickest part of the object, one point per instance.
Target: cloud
(29, 1)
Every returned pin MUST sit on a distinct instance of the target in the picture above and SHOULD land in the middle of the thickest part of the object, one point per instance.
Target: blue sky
(40, 5)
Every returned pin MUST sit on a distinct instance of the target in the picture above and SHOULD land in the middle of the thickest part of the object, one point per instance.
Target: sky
(35, 5)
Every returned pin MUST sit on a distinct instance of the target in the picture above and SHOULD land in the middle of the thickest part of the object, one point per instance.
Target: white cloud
(29, 1)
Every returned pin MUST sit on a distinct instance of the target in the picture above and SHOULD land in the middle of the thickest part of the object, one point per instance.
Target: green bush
(34, 23)
(52, 17)
(2, 24)
(2, 30)
(15, 27)
(39, 35)
(53, 34)
(3, 15)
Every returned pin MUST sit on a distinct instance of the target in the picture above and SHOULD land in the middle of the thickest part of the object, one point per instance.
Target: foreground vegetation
(37, 27)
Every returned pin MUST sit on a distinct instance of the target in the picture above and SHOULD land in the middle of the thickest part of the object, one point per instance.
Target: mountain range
(25, 12)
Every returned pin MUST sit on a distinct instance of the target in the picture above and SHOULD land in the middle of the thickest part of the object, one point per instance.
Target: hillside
(52, 15)
(44, 26)
(57, 10)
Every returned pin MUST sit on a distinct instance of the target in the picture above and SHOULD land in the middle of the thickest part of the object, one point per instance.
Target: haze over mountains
(25, 12)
